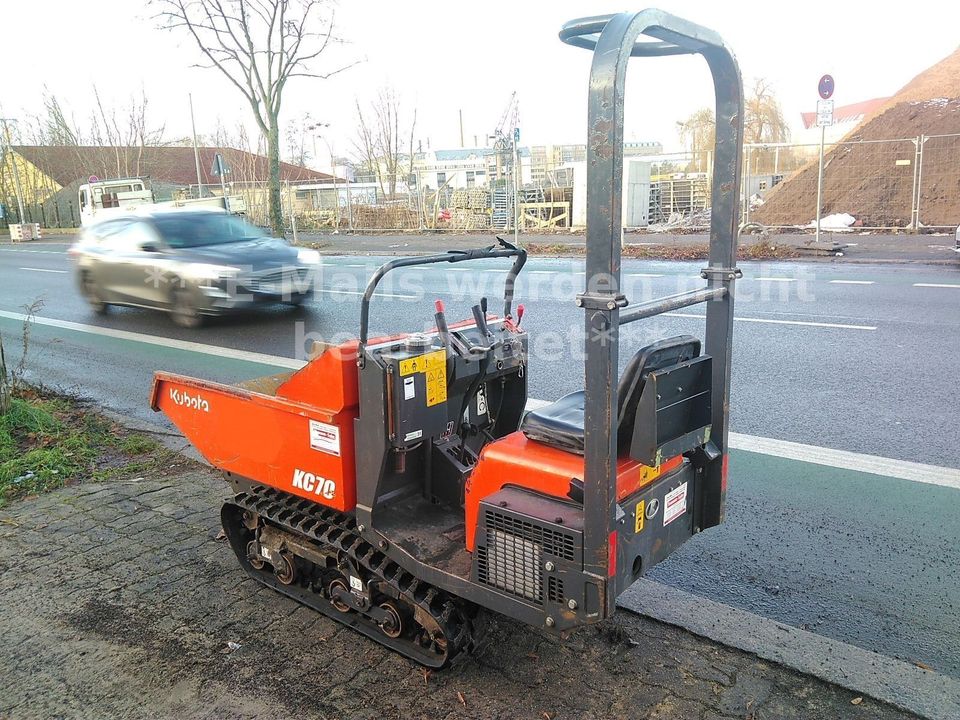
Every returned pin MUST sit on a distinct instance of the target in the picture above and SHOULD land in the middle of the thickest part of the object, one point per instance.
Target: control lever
(483, 305)
(480, 316)
(450, 342)
(520, 311)
(441, 319)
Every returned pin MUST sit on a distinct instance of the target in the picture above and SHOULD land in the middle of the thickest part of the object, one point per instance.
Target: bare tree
(126, 134)
(259, 46)
(764, 124)
(763, 117)
(380, 145)
(697, 133)
(296, 136)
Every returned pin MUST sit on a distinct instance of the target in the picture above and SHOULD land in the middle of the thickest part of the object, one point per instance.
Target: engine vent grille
(549, 541)
(511, 563)
(555, 589)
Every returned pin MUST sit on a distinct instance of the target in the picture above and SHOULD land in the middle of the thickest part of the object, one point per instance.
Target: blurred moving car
(189, 263)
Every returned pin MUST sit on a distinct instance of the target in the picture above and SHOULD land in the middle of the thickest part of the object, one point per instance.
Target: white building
(463, 167)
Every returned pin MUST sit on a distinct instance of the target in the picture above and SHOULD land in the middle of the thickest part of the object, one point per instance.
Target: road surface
(859, 358)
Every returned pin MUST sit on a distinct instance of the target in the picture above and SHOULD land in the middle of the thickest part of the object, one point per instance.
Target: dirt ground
(119, 601)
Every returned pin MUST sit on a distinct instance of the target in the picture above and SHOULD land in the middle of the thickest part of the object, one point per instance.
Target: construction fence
(901, 184)
(897, 184)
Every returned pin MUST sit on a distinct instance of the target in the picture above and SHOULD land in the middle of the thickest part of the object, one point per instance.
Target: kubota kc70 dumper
(398, 484)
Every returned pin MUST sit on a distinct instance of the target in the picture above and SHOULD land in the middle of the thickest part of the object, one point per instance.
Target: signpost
(220, 169)
(824, 119)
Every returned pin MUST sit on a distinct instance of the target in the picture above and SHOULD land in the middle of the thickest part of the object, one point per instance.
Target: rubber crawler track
(329, 529)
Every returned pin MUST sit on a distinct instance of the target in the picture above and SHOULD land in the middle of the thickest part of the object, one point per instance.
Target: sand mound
(874, 181)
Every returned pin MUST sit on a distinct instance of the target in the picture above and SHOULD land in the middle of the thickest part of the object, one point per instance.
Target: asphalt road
(854, 357)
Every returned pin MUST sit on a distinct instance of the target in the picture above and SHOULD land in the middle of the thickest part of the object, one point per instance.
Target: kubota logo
(315, 484)
(181, 397)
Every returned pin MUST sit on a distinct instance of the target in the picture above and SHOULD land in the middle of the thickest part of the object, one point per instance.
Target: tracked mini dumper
(398, 484)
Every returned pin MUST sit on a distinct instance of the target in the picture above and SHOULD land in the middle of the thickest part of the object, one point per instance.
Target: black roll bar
(504, 250)
(614, 39)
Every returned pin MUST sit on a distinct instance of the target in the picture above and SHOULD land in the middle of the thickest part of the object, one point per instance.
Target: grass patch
(48, 441)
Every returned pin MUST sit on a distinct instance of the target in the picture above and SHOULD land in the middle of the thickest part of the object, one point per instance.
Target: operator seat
(560, 424)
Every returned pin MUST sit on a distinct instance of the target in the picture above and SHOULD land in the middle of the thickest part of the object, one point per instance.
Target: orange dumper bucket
(293, 432)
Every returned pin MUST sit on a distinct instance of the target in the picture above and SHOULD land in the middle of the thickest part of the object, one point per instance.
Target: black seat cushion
(560, 423)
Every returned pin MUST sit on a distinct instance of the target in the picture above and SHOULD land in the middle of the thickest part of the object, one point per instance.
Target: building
(547, 161)
(51, 174)
(845, 119)
(464, 168)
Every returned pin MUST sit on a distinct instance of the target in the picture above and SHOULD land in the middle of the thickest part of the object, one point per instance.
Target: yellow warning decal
(436, 386)
(434, 366)
(423, 363)
(638, 523)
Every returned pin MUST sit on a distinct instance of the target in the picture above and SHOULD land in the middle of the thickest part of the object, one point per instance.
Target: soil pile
(874, 181)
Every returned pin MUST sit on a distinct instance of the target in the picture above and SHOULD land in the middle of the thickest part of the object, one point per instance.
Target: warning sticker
(436, 386)
(434, 366)
(423, 363)
(674, 504)
(324, 437)
(639, 512)
(409, 391)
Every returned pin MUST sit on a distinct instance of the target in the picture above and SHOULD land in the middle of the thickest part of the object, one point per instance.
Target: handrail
(672, 302)
(451, 256)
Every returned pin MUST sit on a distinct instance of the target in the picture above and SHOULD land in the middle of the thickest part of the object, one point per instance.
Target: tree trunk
(4, 383)
(273, 156)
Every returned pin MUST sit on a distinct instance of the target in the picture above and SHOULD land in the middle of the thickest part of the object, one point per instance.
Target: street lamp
(333, 168)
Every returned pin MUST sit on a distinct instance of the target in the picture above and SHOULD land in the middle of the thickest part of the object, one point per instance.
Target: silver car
(189, 263)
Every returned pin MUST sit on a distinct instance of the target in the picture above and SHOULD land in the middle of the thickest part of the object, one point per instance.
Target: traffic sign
(825, 87)
(220, 168)
(824, 113)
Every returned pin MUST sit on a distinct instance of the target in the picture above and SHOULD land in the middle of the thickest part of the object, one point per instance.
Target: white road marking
(937, 285)
(43, 270)
(648, 275)
(781, 322)
(376, 294)
(542, 272)
(215, 350)
(775, 279)
(851, 282)
(842, 459)
(846, 460)
(35, 252)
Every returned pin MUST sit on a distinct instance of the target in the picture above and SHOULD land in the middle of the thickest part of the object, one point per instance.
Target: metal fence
(901, 184)
(897, 184)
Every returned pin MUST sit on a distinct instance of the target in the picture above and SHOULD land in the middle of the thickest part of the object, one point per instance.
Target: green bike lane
(866, 558)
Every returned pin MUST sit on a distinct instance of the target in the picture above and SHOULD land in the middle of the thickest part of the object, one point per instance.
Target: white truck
(99, 199)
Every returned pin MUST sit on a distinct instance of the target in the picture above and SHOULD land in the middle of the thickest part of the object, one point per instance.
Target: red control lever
(520, 311)
(438, 304)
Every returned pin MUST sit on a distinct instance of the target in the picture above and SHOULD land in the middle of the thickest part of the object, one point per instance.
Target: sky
(445, 57)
